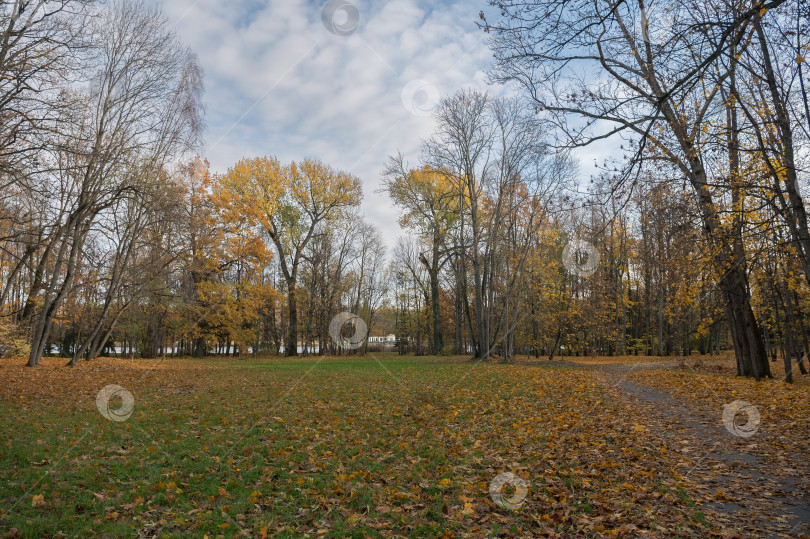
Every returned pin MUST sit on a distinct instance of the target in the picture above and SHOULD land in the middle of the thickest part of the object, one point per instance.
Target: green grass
(339, 447)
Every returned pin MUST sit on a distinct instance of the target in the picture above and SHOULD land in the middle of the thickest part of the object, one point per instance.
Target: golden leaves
(316, 187)
(284, 201)
(251, 189)
(346, 450)
(428, 197)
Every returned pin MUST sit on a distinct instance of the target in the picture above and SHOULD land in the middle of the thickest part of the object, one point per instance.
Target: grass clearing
(332, 447)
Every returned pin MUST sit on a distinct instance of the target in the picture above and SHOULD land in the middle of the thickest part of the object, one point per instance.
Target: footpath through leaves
(382, 446)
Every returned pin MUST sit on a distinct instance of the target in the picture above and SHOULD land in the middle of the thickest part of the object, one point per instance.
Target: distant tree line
(116, 238)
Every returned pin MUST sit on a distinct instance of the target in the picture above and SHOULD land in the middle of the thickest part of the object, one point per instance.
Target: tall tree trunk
(791, 347)
(748, 345)
(556, 344)
(292, 330)
(199, 347)
(458, 337)
(55, 294)
(729, 259)
(794, 206)
(438, 339)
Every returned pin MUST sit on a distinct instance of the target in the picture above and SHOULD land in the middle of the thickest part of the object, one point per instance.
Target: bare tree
(493, 153)
(39, 41)
(143, 108)
(604, 69)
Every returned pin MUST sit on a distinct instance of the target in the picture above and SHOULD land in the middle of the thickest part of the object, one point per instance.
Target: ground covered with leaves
(396, 446)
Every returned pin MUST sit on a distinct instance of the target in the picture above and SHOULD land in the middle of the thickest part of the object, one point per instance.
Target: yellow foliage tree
(289, 202)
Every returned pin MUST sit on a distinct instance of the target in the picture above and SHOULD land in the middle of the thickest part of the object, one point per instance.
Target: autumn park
(465, 268)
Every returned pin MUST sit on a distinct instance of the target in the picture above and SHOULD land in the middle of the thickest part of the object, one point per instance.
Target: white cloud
(278, 83)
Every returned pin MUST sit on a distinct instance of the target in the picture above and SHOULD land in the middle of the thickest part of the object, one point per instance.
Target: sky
(347, 81)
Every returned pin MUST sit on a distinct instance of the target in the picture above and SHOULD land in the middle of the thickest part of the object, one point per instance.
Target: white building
(388, 339)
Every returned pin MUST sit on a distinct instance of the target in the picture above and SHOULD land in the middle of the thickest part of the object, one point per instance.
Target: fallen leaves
(350, 451)
(754, 480)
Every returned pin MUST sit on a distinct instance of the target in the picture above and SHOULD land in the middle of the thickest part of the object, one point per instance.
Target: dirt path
(752, 493)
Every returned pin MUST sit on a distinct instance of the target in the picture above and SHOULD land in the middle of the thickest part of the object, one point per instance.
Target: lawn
(336, 447)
